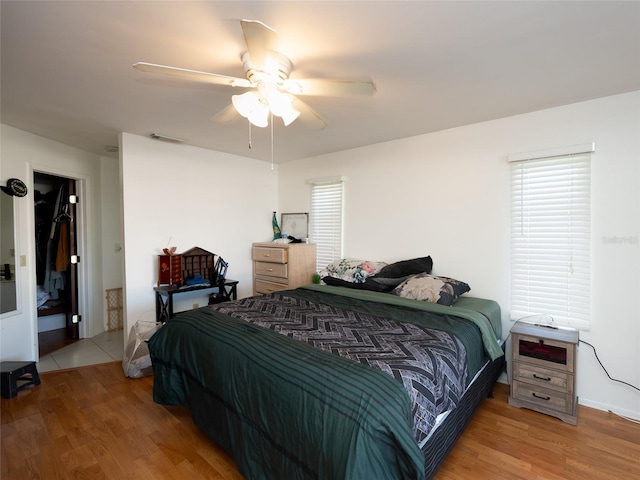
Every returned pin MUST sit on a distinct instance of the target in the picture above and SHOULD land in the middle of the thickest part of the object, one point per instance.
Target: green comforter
(485, 314)
(281, 408)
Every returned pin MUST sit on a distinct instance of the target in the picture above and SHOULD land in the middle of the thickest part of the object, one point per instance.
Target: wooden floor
(93, 423)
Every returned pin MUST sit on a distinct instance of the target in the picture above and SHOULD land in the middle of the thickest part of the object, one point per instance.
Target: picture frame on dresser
(295, 225)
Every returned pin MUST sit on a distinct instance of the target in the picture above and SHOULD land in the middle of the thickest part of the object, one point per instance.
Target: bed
(331, 382)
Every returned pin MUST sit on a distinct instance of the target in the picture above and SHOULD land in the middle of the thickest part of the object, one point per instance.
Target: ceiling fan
(271, 91)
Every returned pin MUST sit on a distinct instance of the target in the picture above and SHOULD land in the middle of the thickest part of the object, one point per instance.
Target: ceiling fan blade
(261, 41)
(308, 115)
(193, 75)
(327, 87)
(227, 115)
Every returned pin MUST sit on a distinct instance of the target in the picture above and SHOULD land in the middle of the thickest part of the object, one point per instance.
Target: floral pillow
(352, 270)
(442, 290)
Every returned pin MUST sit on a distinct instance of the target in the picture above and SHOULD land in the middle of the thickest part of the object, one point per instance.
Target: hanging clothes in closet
(57, 251)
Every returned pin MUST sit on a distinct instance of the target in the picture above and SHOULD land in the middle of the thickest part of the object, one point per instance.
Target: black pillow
(405, 268)
(390, 282)
(368, 284)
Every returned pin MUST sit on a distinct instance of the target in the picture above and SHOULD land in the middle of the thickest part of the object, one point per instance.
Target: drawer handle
(540, 396)
(269, 269)
(546, 379)
(266, 255)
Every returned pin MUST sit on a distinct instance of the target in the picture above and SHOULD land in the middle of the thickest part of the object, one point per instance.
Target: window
(326, 219)
(551, 235)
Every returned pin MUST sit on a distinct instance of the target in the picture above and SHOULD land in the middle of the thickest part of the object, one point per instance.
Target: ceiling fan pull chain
(271, 121)
(250, 146)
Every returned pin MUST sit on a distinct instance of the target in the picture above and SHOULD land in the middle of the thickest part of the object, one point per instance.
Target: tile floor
(103, 348)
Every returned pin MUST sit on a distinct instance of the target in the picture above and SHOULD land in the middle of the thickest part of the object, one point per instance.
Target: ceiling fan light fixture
(255, 108)
(280, 105)
(289, 115)
(250, 106)
(260, 116)
(245, 103)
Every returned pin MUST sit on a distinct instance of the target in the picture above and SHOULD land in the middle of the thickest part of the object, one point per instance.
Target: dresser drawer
(543, 377)
(543, 397)
(263, 286)
(282, 266)
(271, 269)
(266, 254)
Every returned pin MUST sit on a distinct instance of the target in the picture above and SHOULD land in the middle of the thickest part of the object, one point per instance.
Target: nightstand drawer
(262, 287)
(544, 351)
(266, 254)
(543, 377)
(271, 269)
(543, 397)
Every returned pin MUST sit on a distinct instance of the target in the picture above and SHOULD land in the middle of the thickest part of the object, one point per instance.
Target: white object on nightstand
(543, 370)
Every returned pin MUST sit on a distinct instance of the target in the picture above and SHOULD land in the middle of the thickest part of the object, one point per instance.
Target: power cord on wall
(613, 380)
(605, 370)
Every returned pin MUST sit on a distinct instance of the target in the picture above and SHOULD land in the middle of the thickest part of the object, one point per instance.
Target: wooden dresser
(282, 266)
(543, 370)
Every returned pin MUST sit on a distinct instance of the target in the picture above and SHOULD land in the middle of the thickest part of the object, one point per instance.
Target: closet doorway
(56, 261)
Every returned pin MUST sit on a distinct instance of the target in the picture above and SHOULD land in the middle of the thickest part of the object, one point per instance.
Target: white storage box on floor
(136, 361)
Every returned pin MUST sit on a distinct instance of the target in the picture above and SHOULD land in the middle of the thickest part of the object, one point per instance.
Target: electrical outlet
(196, 305)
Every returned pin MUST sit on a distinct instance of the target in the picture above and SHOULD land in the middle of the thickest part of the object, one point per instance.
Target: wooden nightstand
(543, 370)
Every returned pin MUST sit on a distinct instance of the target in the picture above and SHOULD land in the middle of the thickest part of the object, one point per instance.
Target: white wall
(446, 195)
(110, 194)
(22, 154)
(183, 196)
(112, 249)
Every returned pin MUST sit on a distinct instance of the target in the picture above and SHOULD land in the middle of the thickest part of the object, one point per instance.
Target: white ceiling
(67, 75)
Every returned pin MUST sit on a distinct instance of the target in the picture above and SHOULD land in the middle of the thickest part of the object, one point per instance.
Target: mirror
(7, 255)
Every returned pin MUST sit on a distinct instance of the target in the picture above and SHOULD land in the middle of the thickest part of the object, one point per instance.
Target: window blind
(326, 220)
(551, 238)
